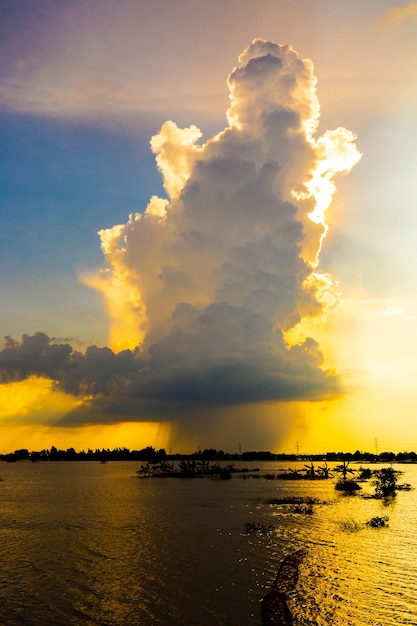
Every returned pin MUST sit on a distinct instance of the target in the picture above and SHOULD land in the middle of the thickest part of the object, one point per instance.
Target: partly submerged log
(275, 611)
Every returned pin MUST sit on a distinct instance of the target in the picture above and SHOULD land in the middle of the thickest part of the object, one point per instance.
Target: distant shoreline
(151, 454)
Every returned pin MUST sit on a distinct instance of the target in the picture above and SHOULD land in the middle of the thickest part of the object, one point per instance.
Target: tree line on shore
(151, 454)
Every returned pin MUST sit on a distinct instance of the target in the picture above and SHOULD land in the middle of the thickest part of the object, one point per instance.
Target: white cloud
(229, 264)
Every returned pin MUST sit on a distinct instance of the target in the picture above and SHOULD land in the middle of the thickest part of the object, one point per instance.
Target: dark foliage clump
(378, 522)
(385, 482)
(348, 485)
(258, 527)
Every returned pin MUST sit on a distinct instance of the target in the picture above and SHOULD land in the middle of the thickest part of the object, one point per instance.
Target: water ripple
(84, 544)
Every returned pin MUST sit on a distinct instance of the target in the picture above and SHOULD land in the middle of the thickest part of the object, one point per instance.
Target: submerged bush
(365, 473)
(385, 482)
(348, 485)
(187, 469)
(377, 522)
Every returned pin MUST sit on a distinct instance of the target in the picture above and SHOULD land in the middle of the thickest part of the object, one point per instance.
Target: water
(85, 543)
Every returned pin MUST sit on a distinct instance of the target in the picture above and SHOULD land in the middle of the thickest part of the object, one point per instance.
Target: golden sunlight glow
(30, 411)
(123, 299)
(335, 153)
(134, 436)
(19, 397)
(320, 427)
(35, 396)
(124, 308)
(326, 290)
(372, 343)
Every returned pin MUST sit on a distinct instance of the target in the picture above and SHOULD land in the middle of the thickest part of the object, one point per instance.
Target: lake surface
(85, 543)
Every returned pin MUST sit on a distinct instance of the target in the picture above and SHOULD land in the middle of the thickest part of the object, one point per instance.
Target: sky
(208, 225)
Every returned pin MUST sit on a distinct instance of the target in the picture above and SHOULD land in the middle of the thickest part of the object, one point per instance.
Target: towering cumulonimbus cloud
(214, 275)
(202, 287)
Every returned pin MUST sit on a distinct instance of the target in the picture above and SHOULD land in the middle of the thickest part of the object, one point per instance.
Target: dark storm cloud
(160, 384)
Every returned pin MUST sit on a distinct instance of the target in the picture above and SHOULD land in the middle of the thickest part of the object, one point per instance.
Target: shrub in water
(385, 482)
(349, 486)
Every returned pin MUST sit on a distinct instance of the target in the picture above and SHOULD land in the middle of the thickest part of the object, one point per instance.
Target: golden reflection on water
(84, 543)
(355, 574)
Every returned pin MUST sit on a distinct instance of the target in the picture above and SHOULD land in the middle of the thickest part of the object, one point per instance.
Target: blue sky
(61, 182)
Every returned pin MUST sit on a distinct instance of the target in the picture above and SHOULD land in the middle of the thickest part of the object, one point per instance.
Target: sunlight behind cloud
(124, 304)
(27, 400)
(336, 153)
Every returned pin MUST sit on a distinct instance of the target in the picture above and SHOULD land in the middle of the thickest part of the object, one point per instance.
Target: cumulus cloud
(202, 286)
